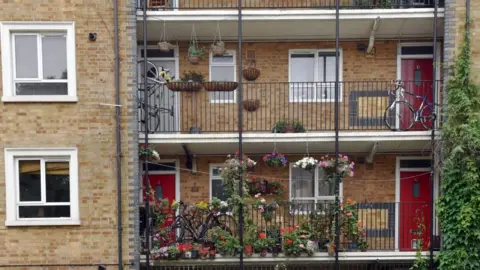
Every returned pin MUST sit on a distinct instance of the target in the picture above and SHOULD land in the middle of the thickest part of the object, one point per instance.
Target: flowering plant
(148, 153)
(267, 209)
(231, 171)
(264, 187)
(262, 243)
(306, 163)
(218, 205)
(350, 226)
(275, 160)
(295, 241)
(345, 167)
(201, 205)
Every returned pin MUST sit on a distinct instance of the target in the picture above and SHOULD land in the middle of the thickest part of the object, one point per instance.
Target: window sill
(39, 99)
(64, 222)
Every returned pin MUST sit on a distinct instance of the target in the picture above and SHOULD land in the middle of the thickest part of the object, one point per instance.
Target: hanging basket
(251, 105)
(193, 59)
(184, 86)
(218, 49)
(164, 46)
(220, 86)
(251, 74)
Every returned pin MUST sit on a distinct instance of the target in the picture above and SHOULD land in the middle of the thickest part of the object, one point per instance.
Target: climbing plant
(459, 204)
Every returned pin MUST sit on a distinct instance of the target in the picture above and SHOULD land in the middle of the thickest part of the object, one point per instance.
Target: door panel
(163, 187)
(417, 76)
(415, 195)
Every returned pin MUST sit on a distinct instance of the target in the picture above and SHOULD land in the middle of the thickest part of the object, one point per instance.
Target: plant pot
(352, 246)
(363, 249)
(195, 130)
(251, 105)
(263, 252)
(276, 250)
(250, 74)
(248, 250)
(184, 86)
(322, 245)
(218, 49)
(194, 59)
(220, 86)
(164, 46)
(331, 250)
(194, 254)
(289, 129)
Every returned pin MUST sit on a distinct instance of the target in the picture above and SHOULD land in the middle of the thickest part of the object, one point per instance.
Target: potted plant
(148, 153)
(204, 252)
(262, 244)
(350, 227)
(345, 167)
(267, 210)
(211, 253)
(275, 160)
(173, 252)
(220, 86)
(249, 237)
(195, 53)
(190, 82)
(292, 245)
(215, 204)
(218, 48)
(288, 127)
(363, 245)
(306, 163)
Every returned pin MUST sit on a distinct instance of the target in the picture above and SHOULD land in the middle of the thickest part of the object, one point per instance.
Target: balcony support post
(432, 166)
(146, 105)
(337, 146)
(240, 126)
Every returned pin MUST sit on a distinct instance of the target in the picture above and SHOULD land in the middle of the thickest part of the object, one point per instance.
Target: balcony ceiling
(292, 143)
(285, 26)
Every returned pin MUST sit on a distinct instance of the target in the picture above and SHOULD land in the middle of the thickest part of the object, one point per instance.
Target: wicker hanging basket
(251, 73)
(164, 46)
(185, 86)
(194, 59)
(220, 86)
(218, 49)
(251, 105)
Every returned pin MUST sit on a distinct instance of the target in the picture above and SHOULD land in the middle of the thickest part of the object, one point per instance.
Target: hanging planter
(189, 82)
(218, 47)
(220, 86)
(275, 160)
(195, 53)
(307, 163)
(164, 45)
(251, 105)
(251, 73)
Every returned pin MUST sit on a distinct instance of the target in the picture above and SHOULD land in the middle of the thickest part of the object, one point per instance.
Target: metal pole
(240, 125)
(146, 131)
(432, 172)
(337, 146)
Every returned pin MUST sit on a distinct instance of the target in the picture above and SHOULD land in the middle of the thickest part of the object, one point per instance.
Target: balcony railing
(268, 107)
(363, 227)
(285, 4)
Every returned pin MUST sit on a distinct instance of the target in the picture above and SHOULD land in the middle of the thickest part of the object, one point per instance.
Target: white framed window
(312, 75)
(39, 61)
(41, 187)
(311, 187)
(223, 68)
(216, 184)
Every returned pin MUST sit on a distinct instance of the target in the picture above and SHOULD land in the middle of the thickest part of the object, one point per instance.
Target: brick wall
(375, 184)
(84, 125)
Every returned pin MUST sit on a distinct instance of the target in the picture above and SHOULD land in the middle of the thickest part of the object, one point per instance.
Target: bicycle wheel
(180, 231)
(427, 117)
(152, 120)
(399, 116)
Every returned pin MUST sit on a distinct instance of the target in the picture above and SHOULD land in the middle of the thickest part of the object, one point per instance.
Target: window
(41, 187)
(308, 187)
(223, 68)
(41, 61)
(312, 75)
(216, 184)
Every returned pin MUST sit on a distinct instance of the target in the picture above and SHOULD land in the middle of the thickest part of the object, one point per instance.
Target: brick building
(61, 167)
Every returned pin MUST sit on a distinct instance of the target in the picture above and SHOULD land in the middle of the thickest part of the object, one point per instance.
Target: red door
(163, 187)
(417, 76)
(415, 195)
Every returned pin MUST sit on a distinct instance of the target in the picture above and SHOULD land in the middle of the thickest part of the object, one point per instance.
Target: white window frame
(8, 30)
(211, 177)
(12, 155)
(316, 197)
(291, 98)
(211, 64)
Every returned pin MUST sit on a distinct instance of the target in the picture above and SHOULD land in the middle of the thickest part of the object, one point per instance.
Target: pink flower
(303, 236)
(301, 246)
(364, 234)
(260, 207)
(351, 165)
(340, 155)
(349, 214)
(345, 157)
(257, 195)
(351, 174)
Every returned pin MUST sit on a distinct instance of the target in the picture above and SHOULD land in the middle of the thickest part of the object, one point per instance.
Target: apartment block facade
(74, 116)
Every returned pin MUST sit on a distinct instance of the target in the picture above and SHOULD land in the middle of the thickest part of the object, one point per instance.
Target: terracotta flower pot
(289, 129)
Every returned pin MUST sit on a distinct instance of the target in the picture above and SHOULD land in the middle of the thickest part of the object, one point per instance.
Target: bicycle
(404, 112)
(155, 81)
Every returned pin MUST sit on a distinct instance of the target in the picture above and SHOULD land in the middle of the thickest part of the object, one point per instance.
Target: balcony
(285, 4)
(369, 231)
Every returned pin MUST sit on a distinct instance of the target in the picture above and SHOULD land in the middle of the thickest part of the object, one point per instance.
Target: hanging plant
(195, 53)
(345, 167)
(148, 153)
(251, 73)
(306, 163)
(164, 45)
(217, 86)
(190, 82)
(218, 47)
(275, 160)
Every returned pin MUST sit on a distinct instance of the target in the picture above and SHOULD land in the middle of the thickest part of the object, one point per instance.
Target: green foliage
(192, 76)
(459, 206)
(194, 50)
(288, 126)
(420, 262)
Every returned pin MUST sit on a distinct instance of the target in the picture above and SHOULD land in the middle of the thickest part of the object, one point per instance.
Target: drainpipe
(371, 41)
(337, 146)
(118, 135)
(240, 126)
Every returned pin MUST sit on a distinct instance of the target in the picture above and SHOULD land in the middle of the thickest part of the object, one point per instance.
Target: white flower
(262, 201)
(155, 155)
(223, 204)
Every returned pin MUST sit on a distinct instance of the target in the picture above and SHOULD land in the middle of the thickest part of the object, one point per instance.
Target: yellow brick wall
(84, 125)
(272, 59)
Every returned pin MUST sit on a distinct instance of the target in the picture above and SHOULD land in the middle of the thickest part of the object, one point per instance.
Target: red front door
(415, 195)
(417, 76)
(163, 187)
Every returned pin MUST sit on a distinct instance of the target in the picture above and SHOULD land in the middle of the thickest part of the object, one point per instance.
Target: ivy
(459, 205)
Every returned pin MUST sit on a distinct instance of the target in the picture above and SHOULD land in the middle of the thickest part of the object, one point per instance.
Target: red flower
(237, 153)
(297, 227)
(262, 235)
(282, 230)
(223, 242)
(290, 229)
(289, 242)
(222, 237)
(364, 234)
(349, 214)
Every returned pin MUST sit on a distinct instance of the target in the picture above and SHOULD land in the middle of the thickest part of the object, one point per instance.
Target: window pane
(302, 67)
(321, 69)
(223, 59)
(26, 59)
(41, 89)
(216, 171)
(222, 74)
(44, 211)
(30, 180)
(302, 183)
(217, 189)
(324, 188)
(54, 57)
(57, 181)
(330, 69)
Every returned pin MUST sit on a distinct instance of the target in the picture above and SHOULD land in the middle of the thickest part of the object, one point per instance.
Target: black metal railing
(286, 4)
(307, 106)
